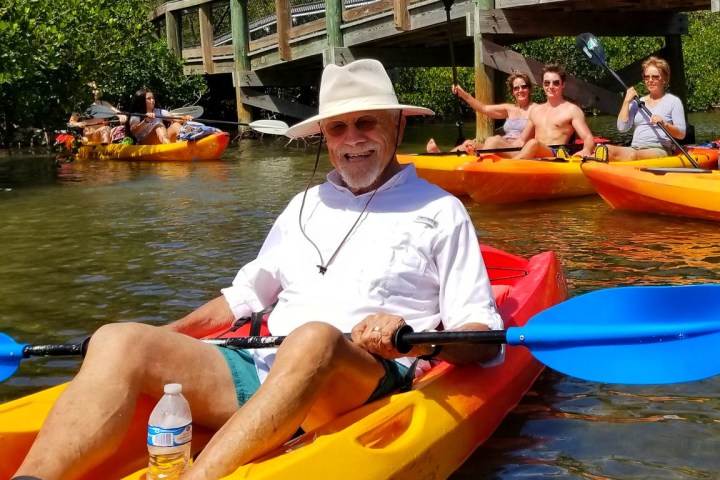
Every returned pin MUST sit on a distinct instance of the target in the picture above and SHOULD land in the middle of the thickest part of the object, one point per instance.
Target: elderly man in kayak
(553, 122)
(372, 249)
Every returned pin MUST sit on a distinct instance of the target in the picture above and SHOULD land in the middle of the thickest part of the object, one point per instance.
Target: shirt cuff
(239, 306)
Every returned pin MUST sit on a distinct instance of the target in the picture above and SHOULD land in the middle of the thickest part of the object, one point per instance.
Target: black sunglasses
(517, 88)
(554, 83)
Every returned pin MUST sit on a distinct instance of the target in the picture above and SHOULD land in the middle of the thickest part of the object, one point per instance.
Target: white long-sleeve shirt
(413, 253)
(647, 135)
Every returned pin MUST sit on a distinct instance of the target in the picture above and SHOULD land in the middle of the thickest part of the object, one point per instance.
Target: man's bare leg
(123, 361)
(534, 149)
(317, 375)
(432, 146)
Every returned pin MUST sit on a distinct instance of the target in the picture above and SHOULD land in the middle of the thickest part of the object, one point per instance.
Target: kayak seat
(501, 292)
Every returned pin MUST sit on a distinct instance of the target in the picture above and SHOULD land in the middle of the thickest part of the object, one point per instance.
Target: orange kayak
(440, 169)
(685, 192)
(207, 148)
(427, 432)
(492, 179)
(495, 180)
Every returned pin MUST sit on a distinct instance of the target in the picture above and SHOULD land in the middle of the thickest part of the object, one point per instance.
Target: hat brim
(311, 126)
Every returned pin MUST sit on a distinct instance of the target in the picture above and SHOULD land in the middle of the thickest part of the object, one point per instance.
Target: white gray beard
(364, 181)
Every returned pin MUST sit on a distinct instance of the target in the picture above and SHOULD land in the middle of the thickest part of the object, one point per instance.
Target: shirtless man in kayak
(372, 249)
(553, 122)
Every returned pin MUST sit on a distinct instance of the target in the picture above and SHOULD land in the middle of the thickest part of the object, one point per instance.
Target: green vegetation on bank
(50, 50)
(430, 87)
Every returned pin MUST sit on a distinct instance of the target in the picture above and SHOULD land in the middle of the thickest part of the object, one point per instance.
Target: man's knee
(120, 337)
(318, 339)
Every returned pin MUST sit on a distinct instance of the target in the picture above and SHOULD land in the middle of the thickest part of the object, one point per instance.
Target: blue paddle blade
(591, 47)
(629, 335)
(11, 353)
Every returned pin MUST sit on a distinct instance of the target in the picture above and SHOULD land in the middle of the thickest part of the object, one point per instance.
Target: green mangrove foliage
(50, 50)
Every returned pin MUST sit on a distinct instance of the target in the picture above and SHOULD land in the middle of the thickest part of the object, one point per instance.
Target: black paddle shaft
(461, 139)
(403, 340)
(56, 350)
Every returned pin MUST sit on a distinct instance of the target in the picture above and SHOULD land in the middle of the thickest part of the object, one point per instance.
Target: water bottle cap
(173, 388)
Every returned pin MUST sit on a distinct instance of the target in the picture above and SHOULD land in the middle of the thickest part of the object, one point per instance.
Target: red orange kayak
(427, 432)
(207, 148)
(684, 192)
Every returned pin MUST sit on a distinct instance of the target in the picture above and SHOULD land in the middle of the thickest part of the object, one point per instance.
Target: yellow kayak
(427, 432)
(207, 148)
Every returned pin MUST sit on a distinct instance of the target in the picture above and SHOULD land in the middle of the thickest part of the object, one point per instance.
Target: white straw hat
(356, 87)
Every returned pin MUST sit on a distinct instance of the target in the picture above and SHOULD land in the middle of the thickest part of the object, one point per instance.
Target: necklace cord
(322, 267)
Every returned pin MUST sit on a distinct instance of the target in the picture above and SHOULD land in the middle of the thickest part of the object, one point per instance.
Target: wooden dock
(291, 47)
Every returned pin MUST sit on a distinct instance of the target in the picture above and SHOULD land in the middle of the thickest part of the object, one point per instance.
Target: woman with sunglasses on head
(649, 141)
(515, 114)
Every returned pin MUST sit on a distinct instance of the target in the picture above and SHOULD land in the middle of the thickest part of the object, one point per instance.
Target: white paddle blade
(194, 111)
(101, 111)
(272, 127)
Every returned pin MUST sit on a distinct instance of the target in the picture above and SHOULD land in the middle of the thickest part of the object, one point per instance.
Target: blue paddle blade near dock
(630, 335)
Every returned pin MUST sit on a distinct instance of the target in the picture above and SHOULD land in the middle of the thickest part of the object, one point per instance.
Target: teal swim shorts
(247, 382)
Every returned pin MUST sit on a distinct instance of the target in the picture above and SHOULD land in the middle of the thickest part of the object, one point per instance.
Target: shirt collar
(406, 173)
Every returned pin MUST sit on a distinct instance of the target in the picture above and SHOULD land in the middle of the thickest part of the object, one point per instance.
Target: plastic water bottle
(169, 435)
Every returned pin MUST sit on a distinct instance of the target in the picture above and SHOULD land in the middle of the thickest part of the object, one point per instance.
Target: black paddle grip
(398, 342)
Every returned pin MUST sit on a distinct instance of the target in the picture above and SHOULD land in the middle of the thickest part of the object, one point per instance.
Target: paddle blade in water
(630, 335)
(592, 48)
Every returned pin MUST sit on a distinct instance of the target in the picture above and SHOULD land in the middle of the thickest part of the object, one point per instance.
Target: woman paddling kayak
(150, 129)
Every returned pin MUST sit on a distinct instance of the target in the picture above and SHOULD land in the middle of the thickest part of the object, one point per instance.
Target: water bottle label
(169, 437)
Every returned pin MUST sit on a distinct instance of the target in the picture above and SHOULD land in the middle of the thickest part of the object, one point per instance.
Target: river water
(89, 242)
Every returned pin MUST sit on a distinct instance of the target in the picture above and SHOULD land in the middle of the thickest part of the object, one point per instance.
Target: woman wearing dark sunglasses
(649, 141)
(515, 114)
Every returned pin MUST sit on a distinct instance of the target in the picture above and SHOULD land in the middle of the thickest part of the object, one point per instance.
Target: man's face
(553, 85)
(361, 144)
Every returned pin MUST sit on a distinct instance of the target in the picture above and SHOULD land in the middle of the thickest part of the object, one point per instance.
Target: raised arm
(493, 111)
